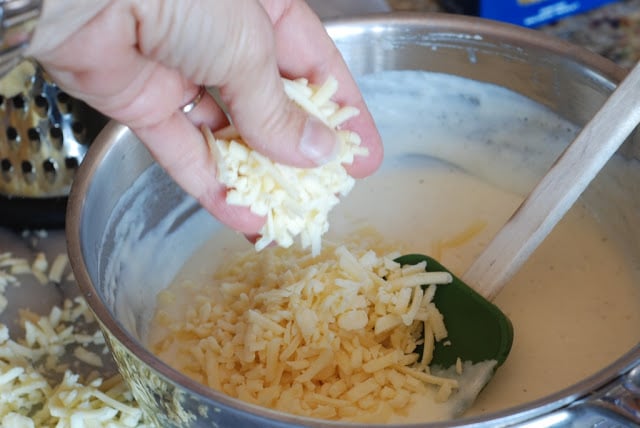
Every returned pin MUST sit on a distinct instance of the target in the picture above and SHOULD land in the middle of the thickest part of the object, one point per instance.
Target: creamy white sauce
(458, 153)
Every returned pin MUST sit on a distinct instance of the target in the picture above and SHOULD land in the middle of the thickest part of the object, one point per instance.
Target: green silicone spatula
(478, 330)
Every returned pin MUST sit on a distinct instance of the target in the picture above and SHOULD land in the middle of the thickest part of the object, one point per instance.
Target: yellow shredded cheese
(295, 201)
(38, 389)
(332, 336)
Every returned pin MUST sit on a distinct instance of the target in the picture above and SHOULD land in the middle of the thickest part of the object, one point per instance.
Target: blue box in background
(528, 13)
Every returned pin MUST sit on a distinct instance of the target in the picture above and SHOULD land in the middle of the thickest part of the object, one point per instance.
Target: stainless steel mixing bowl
(118, 249)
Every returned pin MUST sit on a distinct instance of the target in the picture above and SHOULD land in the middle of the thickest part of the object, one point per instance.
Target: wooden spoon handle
(558, 190)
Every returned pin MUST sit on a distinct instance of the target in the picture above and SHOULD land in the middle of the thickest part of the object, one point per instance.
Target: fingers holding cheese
(304, 48)
(294, 201)
(180, 148)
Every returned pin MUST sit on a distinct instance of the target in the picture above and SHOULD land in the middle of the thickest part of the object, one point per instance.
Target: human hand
(139, 62)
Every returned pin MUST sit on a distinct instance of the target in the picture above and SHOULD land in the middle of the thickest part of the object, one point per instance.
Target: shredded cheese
(10, 268)
(332, 336)
(295, 201)
(37, 385)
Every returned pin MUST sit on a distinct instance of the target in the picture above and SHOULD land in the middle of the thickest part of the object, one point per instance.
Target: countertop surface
(612, 31)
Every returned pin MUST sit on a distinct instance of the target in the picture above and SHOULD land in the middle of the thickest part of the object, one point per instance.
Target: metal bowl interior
(104, 232)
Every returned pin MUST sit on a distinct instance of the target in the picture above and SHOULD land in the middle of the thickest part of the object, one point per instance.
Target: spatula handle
(558, 189)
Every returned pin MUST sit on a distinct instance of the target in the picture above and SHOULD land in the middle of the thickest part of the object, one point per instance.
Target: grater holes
(28, 171)
(6, 168)
(49, 165)
(12, 134)
(55, 134)
(50, 168)
(42, 104)
(34, 138)
(71, 162)
(18, 102)
(64, 102)
(27, 167)
(33, 134)
(79, 131)
(63, 98)
(50, 111)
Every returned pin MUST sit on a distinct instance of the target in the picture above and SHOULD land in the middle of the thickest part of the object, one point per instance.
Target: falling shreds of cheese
(332, 336)
(295, 201)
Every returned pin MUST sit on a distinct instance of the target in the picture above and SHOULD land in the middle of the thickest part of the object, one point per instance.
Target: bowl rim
(471, 27)
(515, 35)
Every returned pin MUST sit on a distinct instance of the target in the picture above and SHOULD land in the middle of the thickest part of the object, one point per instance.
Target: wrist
(18, 20)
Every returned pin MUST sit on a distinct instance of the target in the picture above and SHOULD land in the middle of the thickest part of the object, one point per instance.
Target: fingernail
(319, 143)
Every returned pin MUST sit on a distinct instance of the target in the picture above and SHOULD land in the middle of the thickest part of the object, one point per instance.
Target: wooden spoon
(558, 190)
(477, 330)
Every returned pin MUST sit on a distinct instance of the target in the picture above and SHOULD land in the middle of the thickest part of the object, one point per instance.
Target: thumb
(268, 120)
(271, 123)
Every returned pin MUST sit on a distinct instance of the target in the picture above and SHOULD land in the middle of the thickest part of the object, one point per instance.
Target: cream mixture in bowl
(464, 143)
(463, 160)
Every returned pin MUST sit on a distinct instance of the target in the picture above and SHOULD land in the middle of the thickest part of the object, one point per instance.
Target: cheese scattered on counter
(10, 267)
(295, 201)
(332, 336)
(38, 386)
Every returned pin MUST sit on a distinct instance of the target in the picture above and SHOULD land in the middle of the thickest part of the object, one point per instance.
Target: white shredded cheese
(32, 394)
(10, 268)
(295, 201)
(39, 268)
(277, 329)
(58, 267)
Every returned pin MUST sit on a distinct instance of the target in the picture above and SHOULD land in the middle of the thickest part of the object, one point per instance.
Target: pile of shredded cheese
(295, 201)
(332, 336)
(40, 384)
